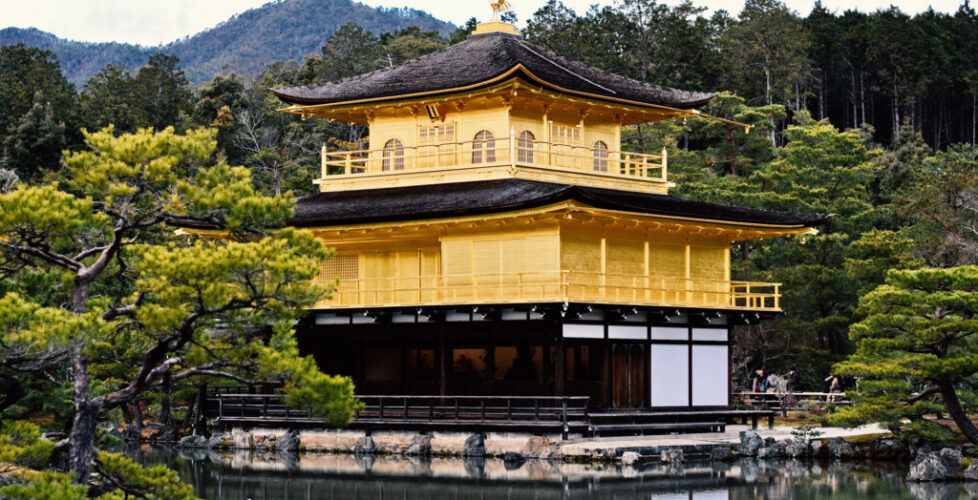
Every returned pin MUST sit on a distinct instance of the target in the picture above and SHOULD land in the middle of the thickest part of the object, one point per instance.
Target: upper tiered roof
(484, 59)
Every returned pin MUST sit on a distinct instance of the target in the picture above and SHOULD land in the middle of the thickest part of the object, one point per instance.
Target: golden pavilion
(493, 238)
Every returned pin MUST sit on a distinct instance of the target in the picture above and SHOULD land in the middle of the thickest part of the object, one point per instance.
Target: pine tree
(916, 353)
(144, 304)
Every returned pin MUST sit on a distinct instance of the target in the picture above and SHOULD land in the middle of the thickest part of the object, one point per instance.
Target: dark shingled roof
(481, 58)
(484, 197)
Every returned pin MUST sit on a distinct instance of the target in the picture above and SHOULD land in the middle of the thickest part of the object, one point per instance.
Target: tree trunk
(126, 413)
(953, 405)
(853, 100)
(862, 97)
(896, 111)
(165, 404)
(82, 438)
(137, 415)
(821, 95)
(10, 391)
(767, 86)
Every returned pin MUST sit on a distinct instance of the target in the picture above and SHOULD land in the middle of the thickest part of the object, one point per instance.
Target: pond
(244, 475)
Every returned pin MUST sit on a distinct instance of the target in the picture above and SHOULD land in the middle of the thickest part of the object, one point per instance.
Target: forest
(867, 116)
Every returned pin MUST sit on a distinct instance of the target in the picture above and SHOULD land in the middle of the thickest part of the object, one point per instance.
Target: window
(484, 147)
(420, 364)
(565, 139)
(599, 151)
(470, 364)
(436, 145)
(518, 363)
(565, 134)
(346, 267)
(393, 156)
(436, 134)
(524, 147)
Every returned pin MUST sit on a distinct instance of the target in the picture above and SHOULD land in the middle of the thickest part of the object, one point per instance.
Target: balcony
(493, 159)
(554, 287)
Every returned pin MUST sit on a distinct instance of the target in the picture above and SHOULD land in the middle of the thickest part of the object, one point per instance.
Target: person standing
(772, 381)
(794, 381)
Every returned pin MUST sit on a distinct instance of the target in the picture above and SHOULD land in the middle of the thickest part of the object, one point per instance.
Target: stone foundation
(446, 444)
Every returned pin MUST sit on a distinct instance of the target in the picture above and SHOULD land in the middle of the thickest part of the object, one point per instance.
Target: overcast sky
(153, 22)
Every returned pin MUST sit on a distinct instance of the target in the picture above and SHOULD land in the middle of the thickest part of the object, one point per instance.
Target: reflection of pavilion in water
(245, 475)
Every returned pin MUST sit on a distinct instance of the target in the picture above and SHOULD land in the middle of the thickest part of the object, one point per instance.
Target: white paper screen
(710, 374)
(581, 331)
(669, 333)
(714, 334)
(670, 375)
(627, 332)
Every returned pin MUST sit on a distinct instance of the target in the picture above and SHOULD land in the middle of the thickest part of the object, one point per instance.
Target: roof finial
(499, 7)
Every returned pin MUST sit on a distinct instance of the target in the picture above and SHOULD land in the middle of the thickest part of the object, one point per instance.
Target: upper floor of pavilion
(493, 106)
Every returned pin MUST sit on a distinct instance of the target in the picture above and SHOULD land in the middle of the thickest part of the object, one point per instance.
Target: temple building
(493, 238)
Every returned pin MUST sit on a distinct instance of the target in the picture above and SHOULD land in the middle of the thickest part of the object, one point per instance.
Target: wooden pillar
(606, 375)
(558, 360)
(444, 356)
(546, 133)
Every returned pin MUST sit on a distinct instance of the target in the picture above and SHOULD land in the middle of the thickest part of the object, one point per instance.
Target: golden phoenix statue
(498, 7)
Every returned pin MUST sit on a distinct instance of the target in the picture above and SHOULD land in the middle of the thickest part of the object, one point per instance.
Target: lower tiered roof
(495, 196)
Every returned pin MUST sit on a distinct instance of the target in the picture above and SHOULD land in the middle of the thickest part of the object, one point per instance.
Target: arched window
(599, 151)
(524, 147)
(484, 143)
(393, 156)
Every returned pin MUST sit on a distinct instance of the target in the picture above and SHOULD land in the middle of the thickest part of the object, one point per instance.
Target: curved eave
(479, 198)
(517, 70)
(568, 210)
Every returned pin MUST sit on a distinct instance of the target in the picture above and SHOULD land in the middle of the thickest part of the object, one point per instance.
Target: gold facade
(562, 253)
(516, 127)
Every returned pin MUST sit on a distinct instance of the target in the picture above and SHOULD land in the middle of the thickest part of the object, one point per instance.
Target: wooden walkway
(533, 414)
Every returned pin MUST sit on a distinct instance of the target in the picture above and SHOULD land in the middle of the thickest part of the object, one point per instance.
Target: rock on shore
(935, 466)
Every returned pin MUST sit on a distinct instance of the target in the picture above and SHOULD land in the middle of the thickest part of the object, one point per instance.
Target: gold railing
(500, 151)
(554, 286)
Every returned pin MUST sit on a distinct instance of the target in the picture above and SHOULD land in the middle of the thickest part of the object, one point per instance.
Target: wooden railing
(500, 151)
(554, 286)
(785, 401)
(559, 413)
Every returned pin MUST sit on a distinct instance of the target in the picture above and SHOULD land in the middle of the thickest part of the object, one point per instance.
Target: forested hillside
(244, 44)
(867, 116)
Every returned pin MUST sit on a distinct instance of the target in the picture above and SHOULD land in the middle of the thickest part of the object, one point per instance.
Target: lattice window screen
(565, 134)
(457, 257)
(345, 267)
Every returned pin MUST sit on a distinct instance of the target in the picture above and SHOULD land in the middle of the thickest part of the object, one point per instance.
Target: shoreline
(737, 441)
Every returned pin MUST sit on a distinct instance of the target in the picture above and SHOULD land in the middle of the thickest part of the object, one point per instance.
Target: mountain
(245, 43)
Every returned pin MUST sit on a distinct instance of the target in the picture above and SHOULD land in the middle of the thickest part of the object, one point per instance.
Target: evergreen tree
(942, 203)
(916, 353)
(33, 146)
(349, 51)
(409, 43)
(111, 98)
(766, 50)
(144, 304)
(29, 75)
(217, 105)
(164, 92)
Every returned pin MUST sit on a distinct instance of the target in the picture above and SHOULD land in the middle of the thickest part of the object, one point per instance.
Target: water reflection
(245, 475)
